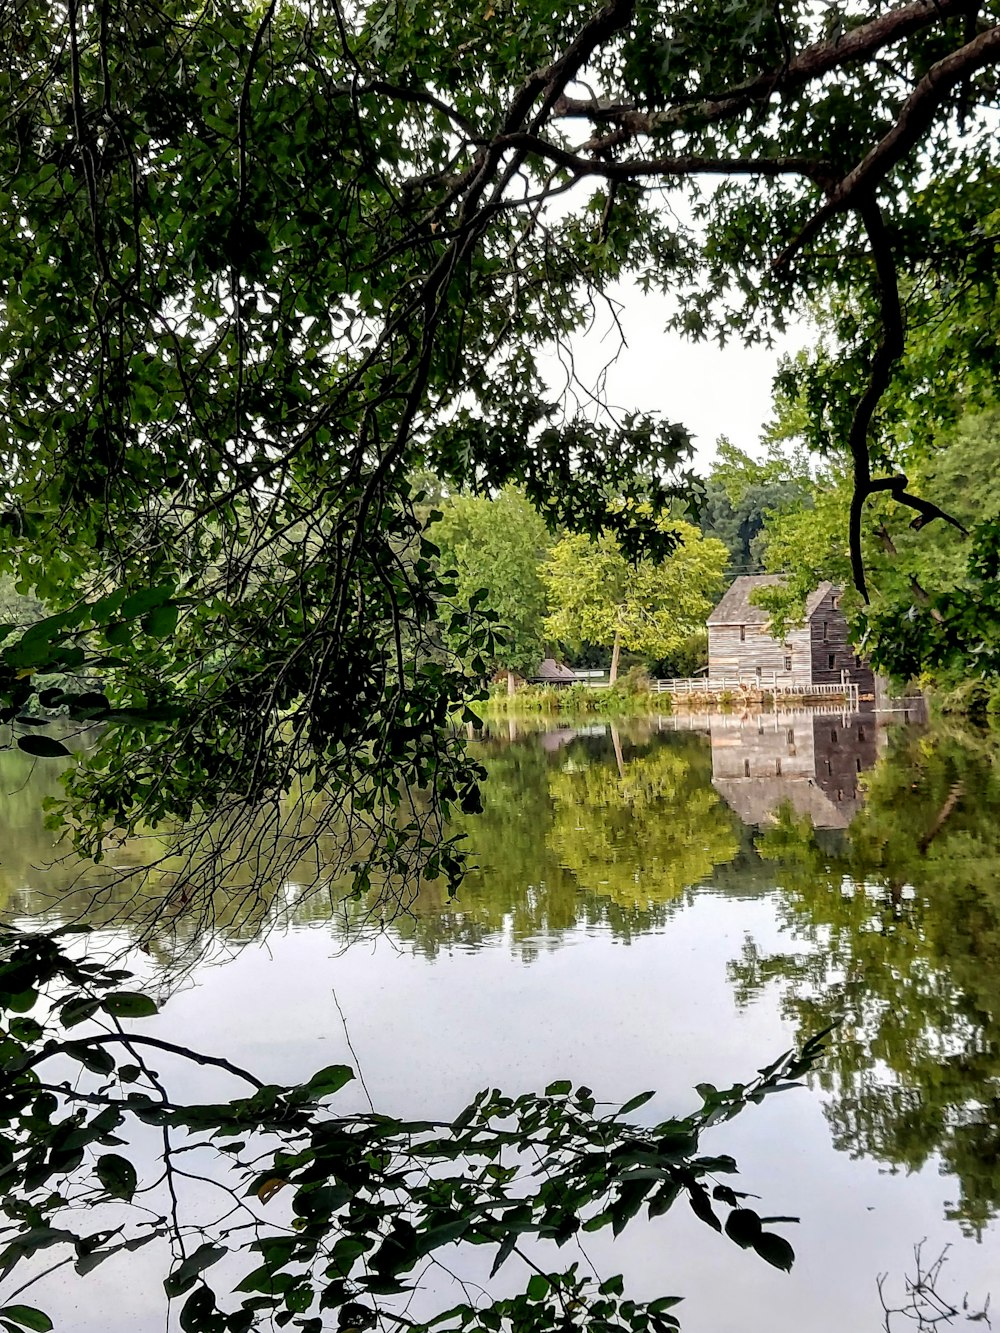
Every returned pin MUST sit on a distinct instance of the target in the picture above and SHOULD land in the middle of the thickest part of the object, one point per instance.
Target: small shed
(552, 672)
(741, 646)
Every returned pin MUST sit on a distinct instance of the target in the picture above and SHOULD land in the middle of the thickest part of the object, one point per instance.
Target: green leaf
(187, 1272)
(775, 1249)
(503, 1253)
(117, 1175)
(197, 1312)
(28, 1317)
(561, 1088)
(538, 1287)
(634, 1103)
(699, 1200)
(129, 1004)
(138, 603)
(22, 1002)
(78, 1010)
(325, 1082)
(43, 747)
(161, 621)
(94, 1058)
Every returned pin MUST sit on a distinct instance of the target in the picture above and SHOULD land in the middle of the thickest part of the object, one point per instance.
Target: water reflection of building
(810, 759)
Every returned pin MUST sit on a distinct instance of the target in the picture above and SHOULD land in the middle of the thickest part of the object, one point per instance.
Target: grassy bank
(620, 700)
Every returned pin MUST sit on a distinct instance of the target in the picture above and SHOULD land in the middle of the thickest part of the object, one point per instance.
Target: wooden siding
(831, 650)
(728, 655)
(820, 651)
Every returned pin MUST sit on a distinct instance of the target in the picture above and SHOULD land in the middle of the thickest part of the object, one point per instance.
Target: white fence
(766, 682)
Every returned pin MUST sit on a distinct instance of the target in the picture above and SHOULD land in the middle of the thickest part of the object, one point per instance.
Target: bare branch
(534, 145)
(888, 352)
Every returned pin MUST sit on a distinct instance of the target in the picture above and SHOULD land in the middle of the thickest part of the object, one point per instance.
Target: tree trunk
(510, 682)
(615, 654)
(616, 741)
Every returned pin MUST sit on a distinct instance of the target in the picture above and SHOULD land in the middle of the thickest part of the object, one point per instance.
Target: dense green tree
(496, 544)
(740, 493)
(260, 265)
(907, 573)
(596, 594)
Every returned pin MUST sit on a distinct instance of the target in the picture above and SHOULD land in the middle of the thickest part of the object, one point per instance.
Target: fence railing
(766, 682)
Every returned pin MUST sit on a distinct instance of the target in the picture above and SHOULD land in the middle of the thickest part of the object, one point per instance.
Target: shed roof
(556, 672)
(735, 607)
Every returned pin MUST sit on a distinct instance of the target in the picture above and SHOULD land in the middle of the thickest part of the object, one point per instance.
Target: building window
(829, 768)
(833, 735)
(831, 661)
(861, 733)
(758, 669)
(788, 664)
(857, 764)
(790, 736)
(746, 768)
(836, 604)
(743, 634)
(840, 793)
(825, 628)
(777, 768)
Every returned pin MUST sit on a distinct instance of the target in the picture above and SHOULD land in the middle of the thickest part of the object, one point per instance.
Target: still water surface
(656, 905)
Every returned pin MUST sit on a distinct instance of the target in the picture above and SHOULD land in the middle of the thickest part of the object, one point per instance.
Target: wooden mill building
(741, 646)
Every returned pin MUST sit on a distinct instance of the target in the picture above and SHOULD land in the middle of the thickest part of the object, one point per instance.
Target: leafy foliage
(894, 928)
(365, 1200)
(240, 312)
(496, 545)
(649, 606)
(741, 494)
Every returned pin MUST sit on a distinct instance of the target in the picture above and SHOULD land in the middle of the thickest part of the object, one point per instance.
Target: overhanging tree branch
(809, 65)
(911, 125)
(889, 350)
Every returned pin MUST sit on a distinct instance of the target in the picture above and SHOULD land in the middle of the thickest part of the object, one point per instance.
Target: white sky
(712, 391)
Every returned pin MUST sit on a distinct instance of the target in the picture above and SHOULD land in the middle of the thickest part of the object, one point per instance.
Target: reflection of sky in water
(656, 1013)
(537, 974)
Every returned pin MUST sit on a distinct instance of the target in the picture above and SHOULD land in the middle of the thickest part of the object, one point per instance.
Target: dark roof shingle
(735, 607)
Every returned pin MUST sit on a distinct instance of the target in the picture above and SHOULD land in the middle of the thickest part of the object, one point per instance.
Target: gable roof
(556, 672)
(735, 607)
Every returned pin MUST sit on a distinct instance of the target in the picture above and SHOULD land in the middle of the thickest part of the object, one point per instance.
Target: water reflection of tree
(643, 835)
(566, 840)
(580, 828)
(904, 925)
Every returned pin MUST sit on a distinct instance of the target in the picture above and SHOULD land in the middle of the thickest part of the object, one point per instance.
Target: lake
(656, 904)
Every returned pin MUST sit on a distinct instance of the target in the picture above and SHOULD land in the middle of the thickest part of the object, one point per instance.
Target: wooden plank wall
(730, 656)
(831, 651)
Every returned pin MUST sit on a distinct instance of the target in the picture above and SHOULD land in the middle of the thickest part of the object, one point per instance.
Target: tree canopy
(497, 544)
(651, 606)
(741, 492)
(261, 264)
